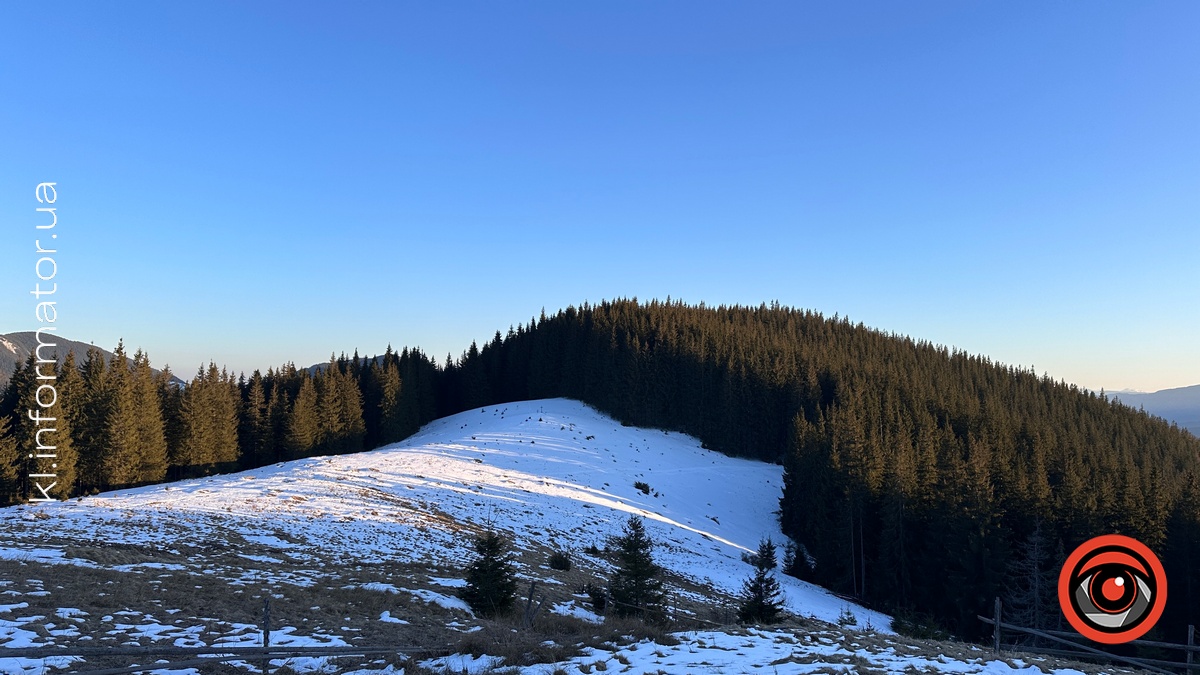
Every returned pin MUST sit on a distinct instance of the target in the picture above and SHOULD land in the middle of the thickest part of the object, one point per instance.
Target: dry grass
(215, 588)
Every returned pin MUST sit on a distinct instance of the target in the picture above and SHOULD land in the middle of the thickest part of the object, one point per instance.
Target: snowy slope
(551, 472)
(380, 537)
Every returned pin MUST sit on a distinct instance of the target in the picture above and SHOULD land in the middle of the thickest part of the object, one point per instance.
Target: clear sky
(258, 182)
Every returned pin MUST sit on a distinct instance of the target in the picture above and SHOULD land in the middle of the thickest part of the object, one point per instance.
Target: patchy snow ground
(766, 652)
(553, 474)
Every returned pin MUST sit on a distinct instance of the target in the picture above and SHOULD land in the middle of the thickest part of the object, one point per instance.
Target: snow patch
(386, 617)
(443, 600)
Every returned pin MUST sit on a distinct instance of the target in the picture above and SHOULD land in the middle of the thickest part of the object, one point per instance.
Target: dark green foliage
(913, 473)
(304, 423)
(91, 409)
(149, 429)
(120, 459)
(9, 466)
(597, 596)
(795, 562)
(17, 400)
(635, 588)
(70, 385)
(560, 560)
(43, 446)
(170, 401)
(1181, 559)
(491, 582)
(255, 438)
(642, 487)
(339, 419)
(1031, 591)
(761, 601)
(391, 421)
(210, 418)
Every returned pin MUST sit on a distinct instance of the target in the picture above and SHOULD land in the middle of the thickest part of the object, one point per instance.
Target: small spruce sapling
(761, 601)
(491, 584)
(635, 589)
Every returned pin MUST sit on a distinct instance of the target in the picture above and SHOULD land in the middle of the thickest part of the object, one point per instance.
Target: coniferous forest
(920, 480)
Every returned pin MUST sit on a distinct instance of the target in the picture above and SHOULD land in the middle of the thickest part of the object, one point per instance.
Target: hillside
(554, 474)
(367, 548)
(921, 480)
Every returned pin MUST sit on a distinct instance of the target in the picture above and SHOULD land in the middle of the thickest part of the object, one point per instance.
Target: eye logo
(1112, 589)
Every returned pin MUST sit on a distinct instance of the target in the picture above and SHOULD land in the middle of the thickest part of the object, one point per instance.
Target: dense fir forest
(920, 480)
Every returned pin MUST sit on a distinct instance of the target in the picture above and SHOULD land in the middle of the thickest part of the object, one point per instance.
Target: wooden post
(996, 627)
(266, 622)
(266, 660)
(1191, 644)
(530, 610)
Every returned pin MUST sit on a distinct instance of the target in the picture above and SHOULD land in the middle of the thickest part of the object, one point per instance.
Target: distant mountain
(15, 348)
(1181, 405)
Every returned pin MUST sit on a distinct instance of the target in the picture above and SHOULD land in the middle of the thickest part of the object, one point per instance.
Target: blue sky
(254, 183)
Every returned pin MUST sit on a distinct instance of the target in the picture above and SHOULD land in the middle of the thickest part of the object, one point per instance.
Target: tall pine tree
(10, 492)
(150, 431)
(120, 462)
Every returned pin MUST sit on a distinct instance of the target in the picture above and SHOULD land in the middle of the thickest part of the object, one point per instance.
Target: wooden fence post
(996, 627)
(1191, 643)
(266, 660)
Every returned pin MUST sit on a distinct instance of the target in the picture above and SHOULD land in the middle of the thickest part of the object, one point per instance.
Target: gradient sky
(255, 183)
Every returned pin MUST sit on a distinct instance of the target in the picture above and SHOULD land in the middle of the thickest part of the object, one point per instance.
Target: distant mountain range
(15, 348)
(1181, 405)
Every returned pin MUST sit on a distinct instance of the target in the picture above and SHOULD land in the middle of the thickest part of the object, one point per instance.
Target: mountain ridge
(1180, 405)
(16, 347)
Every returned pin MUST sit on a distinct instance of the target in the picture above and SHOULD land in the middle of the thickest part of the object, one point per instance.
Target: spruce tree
(304, 422)
(391, 422)
(635, 587)
(9, 465)
(277, 424)
(49, 438)
(120, 462)
(18, 399)
(491, 582)
(761, 602)
(331, 409)
(170, 401)
(210, 417)
(254, 433)
(70, 390)
(340, 402)
(1032, 584)
(92, 407)
(151, 435)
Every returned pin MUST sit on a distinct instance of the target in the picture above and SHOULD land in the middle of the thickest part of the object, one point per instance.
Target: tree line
(919, 479)
(121, 424)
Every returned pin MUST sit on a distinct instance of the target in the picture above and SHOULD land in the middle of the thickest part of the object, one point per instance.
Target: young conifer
(491, 583)
(761, 601)
(9, 486)
(635, 587)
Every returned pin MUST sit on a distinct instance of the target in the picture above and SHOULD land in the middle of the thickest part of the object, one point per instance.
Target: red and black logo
(1112, 589)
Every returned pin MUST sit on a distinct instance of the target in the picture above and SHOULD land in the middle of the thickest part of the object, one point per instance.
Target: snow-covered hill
(552, 473)
(366, 548)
